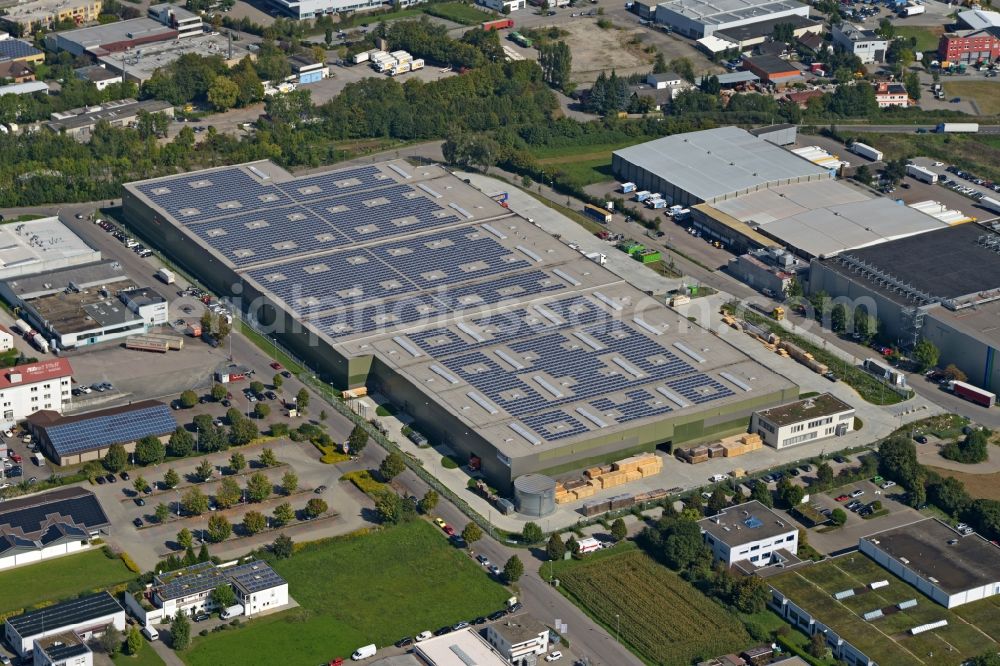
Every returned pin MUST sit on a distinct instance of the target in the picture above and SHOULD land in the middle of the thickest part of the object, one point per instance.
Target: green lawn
(147, 657)
(927, 38)
(60, 578)
(371, 589)
(459, 12)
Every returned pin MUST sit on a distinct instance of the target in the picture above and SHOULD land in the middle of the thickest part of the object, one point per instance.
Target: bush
(363, 480)
(448, 463)
(130, 563)
(385, 410)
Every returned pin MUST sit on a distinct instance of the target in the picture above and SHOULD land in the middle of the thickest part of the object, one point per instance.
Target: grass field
(976, 153)
(985, 93)
(459, 13)
(927, 37)
(984, 486)
(581, 164)
(369, 589)
(886, 640)
(664, 620)
(60, 578)
(147, 657)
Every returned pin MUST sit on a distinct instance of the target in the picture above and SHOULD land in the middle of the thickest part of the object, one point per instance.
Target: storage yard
(554, 361)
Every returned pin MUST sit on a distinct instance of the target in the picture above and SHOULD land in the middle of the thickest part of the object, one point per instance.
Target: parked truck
(628, 187)
(922, 174)
(911, 10)
(973, 393)
(418, 63)
(400, 68)
(865, 150)
(166, 275)
(21, 327)
(952, 128)
(41, 344)
(500, 24)
(642, 195)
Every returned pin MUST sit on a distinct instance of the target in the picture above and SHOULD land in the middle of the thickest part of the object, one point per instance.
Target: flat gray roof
(52, 282)
(728, 11)
(515, 333)
(739, 33)
(110, 112)
(31, 246)
(162, 53)
(119, 31)
(924, 548)
(719, 162)
(743, 523)
(459, 648)
(825, 404)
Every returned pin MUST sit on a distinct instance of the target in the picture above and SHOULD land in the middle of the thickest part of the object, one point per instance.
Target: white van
(151, 633)
(231, 612)
(364, 652)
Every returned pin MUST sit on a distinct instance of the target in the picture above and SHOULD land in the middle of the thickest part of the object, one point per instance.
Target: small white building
(66, 649)
(519, 638)
(6, 339)
(664, 80)
(26, 389)
(86, 616)
(147, 304)
(749, 532)
(865, 44)
(498, 5)
(803, 421)
(100, 76)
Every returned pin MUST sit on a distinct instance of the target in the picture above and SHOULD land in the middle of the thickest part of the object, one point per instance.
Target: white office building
(865, 44)
(26, 389)
(751, 533)
(66, 649)
(803, 421)
(88, 617)
(521, 639)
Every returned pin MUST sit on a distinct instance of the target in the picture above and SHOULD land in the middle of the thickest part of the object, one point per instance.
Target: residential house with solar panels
(38, 527)
(33, 387)
(258, 589)
(88, 617)
(71, 440)
(502, 342)
(751, 533)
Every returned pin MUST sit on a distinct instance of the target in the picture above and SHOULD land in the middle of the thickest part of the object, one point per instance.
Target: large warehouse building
(701, 18)
(502, 342)
(943, 286)
(711, 165)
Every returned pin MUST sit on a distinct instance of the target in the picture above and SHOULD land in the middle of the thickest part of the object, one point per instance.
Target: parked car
(404, 642)
(139, 501)
(320, 490)
(843, 498)
(423, 636)
(497, 615)
(482, 559)
(888, 484)
(442, 631)
(137, 522)
(440, 522)
(920, 439)
(460, 626)
(201, 617)
(857, 493)
(553, 656)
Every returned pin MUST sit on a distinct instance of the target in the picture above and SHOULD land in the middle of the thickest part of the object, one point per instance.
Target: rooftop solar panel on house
(69, 613)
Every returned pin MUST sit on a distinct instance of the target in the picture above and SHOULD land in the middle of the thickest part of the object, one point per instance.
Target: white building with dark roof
(88, 617)
(751, 533)
(865, 44)
(518, 637)
(66, 649)
(803, 421)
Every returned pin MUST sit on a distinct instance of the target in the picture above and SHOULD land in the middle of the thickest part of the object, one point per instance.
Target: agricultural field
(985, 93)
(351, 591)
(663, 619)
(887, 640)
(60, 578)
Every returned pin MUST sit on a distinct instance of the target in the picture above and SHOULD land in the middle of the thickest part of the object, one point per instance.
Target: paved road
(909, 129)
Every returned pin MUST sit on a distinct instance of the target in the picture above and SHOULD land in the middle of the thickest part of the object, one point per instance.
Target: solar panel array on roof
(250, 577)
(67, 614)
(255, 576)
(103, 431)
(83, 510)
(11, 49)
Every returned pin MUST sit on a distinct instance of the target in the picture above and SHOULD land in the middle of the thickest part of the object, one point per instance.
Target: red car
(337, 662)
(449, 530)
(15, 457)
(276, 365)
(843, 498)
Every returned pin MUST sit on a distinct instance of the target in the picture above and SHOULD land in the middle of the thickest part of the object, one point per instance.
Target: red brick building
(970, 47)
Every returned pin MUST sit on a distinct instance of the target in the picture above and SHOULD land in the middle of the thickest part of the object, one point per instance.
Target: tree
(926, 354)
(784, 32)
(316, 507)
(952, 372)
(194, 502)
(150, 450)
(357, 440)
(184, 538)
(181, 443)
(171, 478)
(228, 493)
(205, 470)
(912, 83)
(824, 474)
(189, 556)
(838, 318)
(289, 482)
(214, 438)
(790, 494)
(234, 416)
(886, 28)
(428, 501)
(990, 658)
(133, 643)
(513, 569)
(531, 533)
(202, 422)
(472, 533)
(572, 545)
(322, 415)
(254, 522)
(267, 458)
(140, 484)
(203, 555)
(237, 462)
(111, 641)
(659, 64)
(897, 460)
(223, 596)
(302, 399)
(556, 62)
(762, 494)
(863, 174)
(116, 458)
(971, 450)
(684, 67)
(222, 94)
(277, 380)
(243, 432)
(718, 501)
(283, 548)
(682, 543)
(161, 513)
(389, 507)
(180, 631)
(257, 386)
(261, 410)
(838, 517)
(794, 288)
(188, 399)
(283, 514)
(817, 645)
(219, 528)
(750, 594)
(618, 529)
(259, 487)
(391, 467)
(219, 392)
(555, 548)
(865, 325)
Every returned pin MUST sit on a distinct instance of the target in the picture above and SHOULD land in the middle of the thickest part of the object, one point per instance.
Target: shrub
(130, 563)
(448, 463)
(363, 480)
(385, 410)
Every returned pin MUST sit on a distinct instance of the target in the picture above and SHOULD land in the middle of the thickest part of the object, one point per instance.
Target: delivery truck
(865, 150)
(922, 174)
(953, 128)
(500, 24)
(911, 10)
(973, 393)
(166, 275)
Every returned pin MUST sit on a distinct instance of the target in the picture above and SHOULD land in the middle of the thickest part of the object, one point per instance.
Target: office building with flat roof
(750, 533)
(802, 421)
(29, 16)
(458, 647)
(87, 616)
(501, 341)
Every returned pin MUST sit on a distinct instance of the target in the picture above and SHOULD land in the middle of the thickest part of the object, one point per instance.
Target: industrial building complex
(503, 343)
(702, 18)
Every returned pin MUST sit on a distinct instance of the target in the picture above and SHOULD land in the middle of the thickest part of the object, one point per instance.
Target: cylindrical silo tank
(535, 495)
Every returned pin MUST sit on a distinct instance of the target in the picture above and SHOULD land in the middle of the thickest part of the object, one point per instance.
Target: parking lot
(833, 540)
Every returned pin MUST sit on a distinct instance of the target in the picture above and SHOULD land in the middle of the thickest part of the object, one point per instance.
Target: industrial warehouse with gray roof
(502, 342)
(701, 18)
